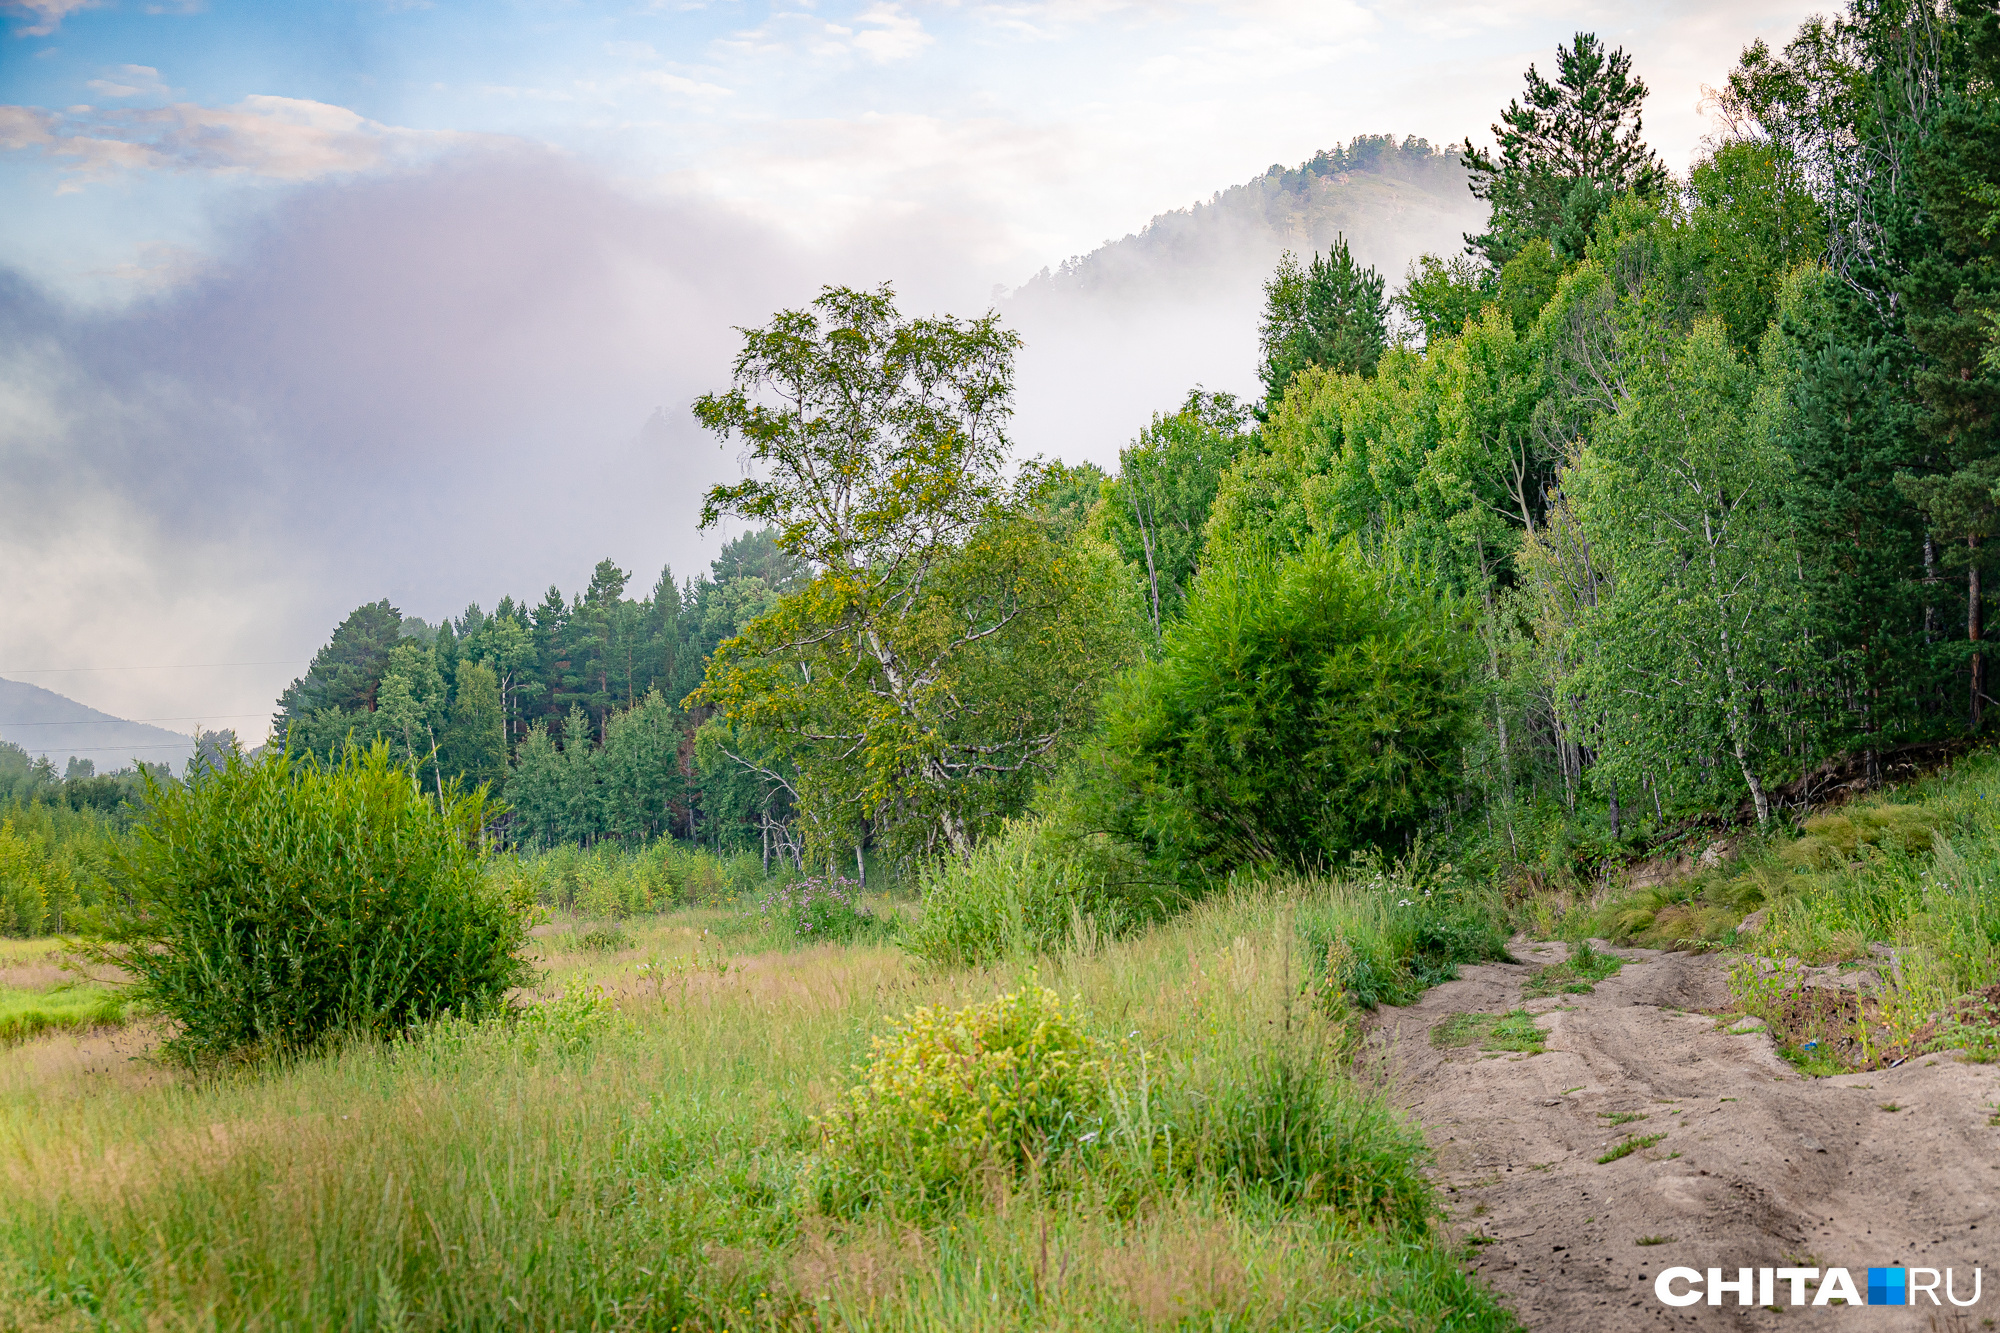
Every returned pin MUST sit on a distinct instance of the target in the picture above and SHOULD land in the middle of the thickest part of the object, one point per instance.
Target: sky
(306, 304)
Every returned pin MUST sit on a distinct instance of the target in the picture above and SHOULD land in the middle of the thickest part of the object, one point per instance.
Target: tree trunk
(1757, 797)
(1614, 807)
(1972, 628)
(1146, 545)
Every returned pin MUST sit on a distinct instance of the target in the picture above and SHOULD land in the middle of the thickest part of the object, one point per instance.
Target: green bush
(1028, 889)
(569, 1024)
(950, 1094)
(823, 910)
(280, 902)
(1304, 708)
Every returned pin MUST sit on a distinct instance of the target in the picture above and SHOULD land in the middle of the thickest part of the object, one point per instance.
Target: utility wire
(116, 721)
(158, 666)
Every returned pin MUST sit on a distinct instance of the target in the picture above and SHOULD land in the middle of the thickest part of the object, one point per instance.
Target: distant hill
(1126, 330)
(43, 722)
(1393, 200)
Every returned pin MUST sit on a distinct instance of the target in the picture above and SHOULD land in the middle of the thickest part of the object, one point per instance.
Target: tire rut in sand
(1757, 1165)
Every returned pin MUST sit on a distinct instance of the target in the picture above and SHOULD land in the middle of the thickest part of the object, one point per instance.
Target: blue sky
(141, 130)
(306, 304)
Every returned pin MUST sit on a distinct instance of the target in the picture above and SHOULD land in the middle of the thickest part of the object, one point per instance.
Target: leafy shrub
(1026, 890)
(949, 1094)
(1305, 707)
(822, 910)
(603, 939)
(280, 902)
(569, 1024)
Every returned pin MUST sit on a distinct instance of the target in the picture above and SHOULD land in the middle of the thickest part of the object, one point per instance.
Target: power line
(158, 666)
(116, 721)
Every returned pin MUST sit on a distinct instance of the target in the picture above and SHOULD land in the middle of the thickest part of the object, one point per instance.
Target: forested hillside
(568, 706)
(47, 725)
(1671, 493)
(1389, 198)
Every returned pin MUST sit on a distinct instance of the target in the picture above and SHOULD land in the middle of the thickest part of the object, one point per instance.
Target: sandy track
(1759, 1167)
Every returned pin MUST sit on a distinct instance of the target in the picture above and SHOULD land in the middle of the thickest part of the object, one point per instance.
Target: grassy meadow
(651, 1145)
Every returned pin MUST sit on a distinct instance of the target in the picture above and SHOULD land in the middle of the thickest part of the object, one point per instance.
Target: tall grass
(658, 1175)
(610, 880)
(1907, 879)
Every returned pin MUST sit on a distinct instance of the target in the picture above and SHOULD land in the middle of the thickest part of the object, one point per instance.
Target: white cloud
(694, 89)
(130, 81)
(890, 34)
(283, 138)
(883, 33)
(44, 16)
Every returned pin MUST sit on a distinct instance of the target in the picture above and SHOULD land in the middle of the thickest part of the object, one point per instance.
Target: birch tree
(1697, 638)
(947, 647)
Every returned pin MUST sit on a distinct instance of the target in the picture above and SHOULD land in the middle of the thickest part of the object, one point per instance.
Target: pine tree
(1564, 153)
(1328, 313)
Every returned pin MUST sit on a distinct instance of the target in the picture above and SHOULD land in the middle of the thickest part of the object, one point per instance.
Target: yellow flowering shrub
(951, 1094)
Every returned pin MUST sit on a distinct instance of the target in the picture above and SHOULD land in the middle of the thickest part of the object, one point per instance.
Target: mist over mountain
(43, 722)
(1126, 330)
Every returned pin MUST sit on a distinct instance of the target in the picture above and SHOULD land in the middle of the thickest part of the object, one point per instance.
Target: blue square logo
(1886, 1287)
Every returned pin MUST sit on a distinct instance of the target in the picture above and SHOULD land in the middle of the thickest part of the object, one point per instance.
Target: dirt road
(1757, 1166)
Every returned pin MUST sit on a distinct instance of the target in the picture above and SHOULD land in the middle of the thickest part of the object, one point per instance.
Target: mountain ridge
(43, 722)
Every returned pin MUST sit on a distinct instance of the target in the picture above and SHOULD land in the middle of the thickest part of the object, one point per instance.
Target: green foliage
(570, 1024)
(949, 1095)
(1329, 313)
(1155, 511)
(1564, 152)
(1033, 887)
(1441, 296)
(1702, 628)
(1384, 936)
(1287, 1133)
(1527, 281)
(1016, 637)
(55, 864)
(826, 910)
(1302, 709)
(279, 903)
(612, 880)
(1752, 222)
(475, 741)
(949, 649)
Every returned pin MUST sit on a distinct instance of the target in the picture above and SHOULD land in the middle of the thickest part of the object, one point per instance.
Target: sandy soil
(1759, 1166)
